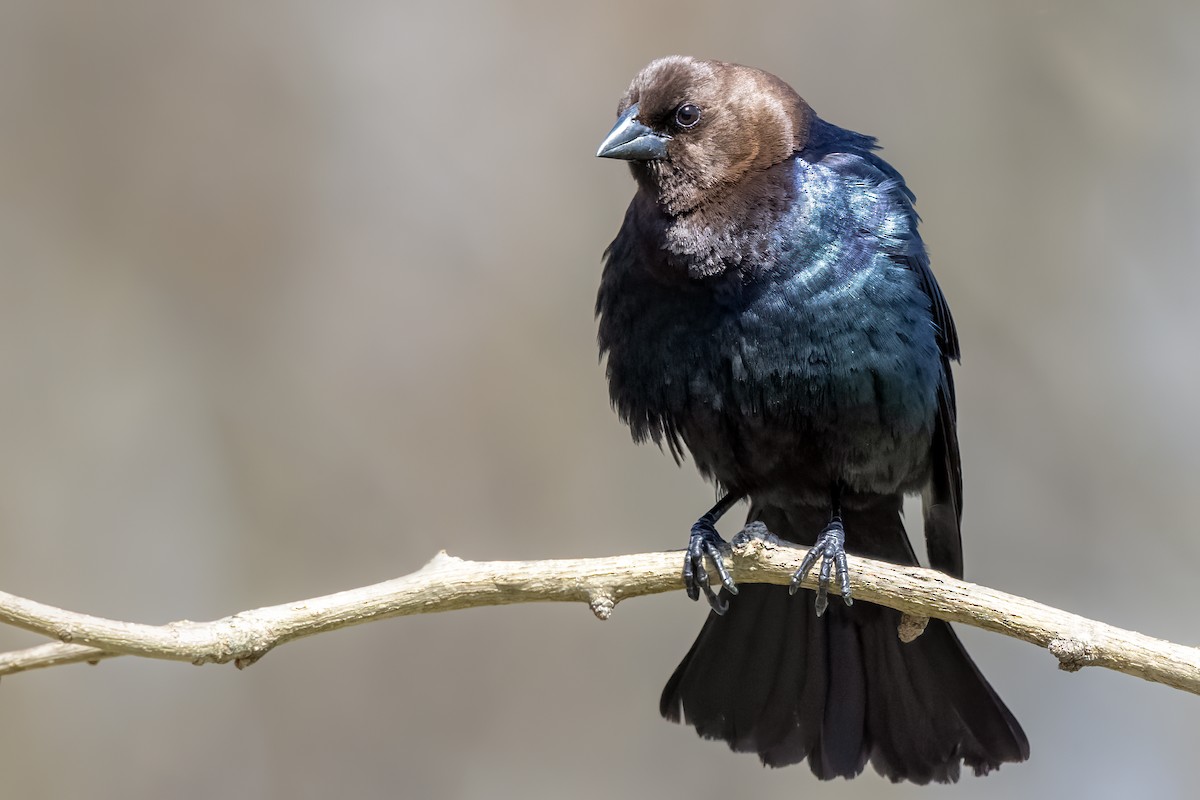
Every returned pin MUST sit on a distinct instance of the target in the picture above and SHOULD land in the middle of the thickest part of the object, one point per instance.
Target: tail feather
(758, 671)
(771, 677)
(708, 711)
(783, 734)
(925, 735)
(842, 747)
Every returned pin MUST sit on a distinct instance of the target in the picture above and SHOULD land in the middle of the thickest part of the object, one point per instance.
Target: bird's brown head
(692, 129)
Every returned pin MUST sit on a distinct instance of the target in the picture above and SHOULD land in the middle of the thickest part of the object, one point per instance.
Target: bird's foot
(705, 541)
(830, 549)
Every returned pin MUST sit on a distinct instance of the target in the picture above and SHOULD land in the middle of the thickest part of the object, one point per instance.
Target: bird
(767, 307)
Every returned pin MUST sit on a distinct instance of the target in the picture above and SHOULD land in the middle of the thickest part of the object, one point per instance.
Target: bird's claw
(705, 541)
(830, 549)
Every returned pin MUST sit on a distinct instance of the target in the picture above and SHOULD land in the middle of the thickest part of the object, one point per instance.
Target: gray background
(293, 296)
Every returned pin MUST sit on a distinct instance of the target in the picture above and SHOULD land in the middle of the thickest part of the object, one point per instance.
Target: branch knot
(602, 603)
(1072, 654)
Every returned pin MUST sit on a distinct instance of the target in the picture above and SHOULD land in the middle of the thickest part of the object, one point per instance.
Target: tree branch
(448, 583)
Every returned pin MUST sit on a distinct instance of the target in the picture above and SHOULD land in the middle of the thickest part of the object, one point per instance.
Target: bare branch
(49, 655)
(448, 583)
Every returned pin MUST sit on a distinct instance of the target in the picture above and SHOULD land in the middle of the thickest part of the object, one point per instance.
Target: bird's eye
(687, 115)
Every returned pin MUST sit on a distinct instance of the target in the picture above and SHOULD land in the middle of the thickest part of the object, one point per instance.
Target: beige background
(293, 295)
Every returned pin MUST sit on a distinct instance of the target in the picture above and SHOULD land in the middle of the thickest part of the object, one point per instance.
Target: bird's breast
(817, 372)
(808, 349)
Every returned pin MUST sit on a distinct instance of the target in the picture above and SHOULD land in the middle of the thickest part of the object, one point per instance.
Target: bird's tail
(772, 678)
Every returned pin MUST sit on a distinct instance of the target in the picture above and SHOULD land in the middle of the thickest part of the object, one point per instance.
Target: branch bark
(447, 583)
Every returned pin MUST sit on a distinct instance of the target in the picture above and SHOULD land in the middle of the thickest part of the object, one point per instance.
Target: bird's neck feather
(732, 234)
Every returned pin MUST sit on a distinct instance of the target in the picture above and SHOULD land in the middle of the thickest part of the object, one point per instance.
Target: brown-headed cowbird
(768, 305)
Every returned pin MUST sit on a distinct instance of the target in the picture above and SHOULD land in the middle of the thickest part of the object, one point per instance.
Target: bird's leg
(705, 541)
(830, 549)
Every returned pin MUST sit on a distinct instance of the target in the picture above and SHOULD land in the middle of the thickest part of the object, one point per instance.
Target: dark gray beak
(633, 141)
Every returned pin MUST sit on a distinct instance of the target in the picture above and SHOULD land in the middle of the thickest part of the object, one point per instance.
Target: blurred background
(293, 296)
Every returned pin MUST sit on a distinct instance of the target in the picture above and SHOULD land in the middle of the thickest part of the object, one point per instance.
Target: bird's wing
(942, 498)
